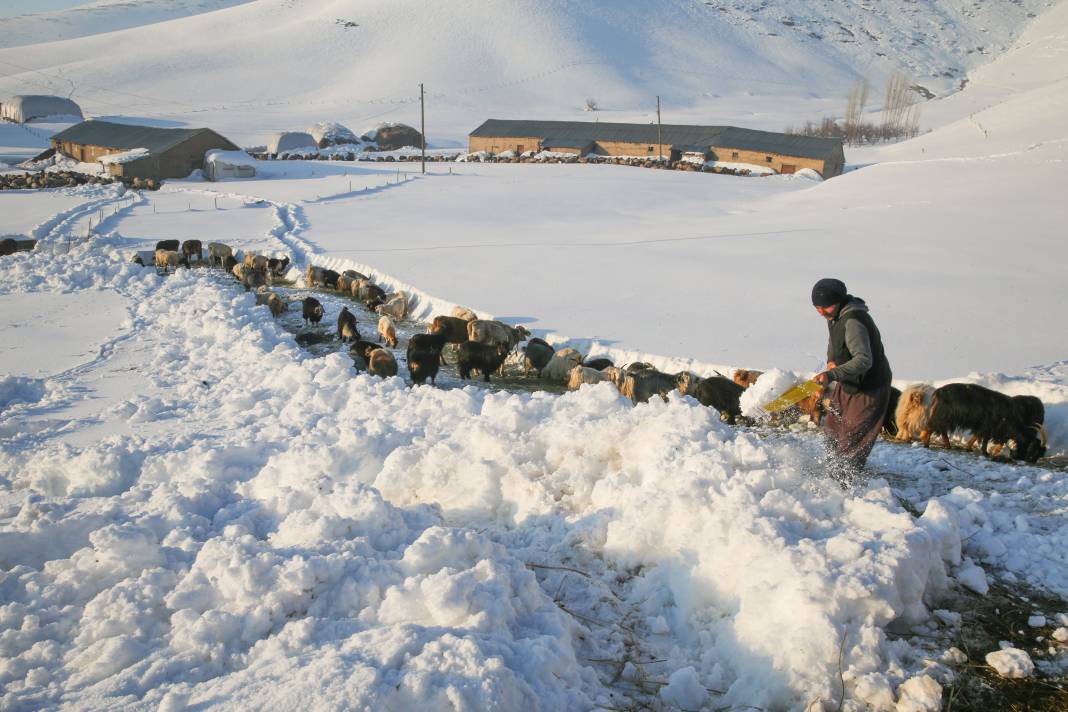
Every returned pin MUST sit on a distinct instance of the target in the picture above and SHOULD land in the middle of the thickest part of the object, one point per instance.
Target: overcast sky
(9, 8)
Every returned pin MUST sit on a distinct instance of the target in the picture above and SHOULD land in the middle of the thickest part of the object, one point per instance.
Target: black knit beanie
(828, 292)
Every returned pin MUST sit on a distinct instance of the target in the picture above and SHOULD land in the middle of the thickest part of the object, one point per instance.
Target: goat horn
(1043, 436)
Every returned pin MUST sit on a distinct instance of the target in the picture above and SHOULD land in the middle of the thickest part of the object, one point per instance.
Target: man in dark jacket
(858, 374)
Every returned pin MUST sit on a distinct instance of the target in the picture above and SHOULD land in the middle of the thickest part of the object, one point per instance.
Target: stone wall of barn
(499, 144)
(778, 162)
(631, 148)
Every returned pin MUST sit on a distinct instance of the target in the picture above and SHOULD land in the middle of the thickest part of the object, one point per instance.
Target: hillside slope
(98, 17)
(276, 64)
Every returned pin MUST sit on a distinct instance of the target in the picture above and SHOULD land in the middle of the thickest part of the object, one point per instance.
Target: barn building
(783, 153)
(130, 151)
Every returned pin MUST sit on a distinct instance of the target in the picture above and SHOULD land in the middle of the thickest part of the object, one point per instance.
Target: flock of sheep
(484, 345)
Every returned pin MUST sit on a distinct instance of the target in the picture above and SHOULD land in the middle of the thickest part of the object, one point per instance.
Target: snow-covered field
(197, 513)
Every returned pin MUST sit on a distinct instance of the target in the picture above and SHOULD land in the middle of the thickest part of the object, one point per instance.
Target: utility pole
(422, 124)
(659, 145)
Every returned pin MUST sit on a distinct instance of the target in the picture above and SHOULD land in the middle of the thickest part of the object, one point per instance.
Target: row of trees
(900, 116)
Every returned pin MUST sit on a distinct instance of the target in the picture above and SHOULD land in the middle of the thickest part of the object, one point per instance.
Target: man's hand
(822, 378)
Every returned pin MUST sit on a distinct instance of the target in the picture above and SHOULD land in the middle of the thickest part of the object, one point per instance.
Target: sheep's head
(686, 382)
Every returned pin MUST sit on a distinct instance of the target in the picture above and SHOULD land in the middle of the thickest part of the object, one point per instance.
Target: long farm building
(782, 153)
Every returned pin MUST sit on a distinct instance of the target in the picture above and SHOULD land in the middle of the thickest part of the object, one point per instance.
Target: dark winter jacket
(856, 348)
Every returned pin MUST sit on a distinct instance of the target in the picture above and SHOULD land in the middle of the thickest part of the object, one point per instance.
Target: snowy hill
(284, 64)
(94, 18)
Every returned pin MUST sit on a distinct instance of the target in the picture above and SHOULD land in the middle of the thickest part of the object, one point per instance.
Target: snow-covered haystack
(291, 141)
(27, 107)
(392, 136)
(329, 133)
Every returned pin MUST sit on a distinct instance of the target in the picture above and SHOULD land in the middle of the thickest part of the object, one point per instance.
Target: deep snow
(182, 561)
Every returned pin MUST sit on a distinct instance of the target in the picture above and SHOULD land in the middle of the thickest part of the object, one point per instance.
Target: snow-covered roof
(231, 158)
(574, 133)
(25, 107)
(125, 156)
(128, 136)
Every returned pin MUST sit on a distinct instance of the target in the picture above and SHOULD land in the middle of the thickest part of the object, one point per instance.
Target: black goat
(483, 358)
(312, 310)
(536, 354)
(346, 325)
(720, 393)
(424, 356)
(988, 415)
(598, 364)
(278, 267)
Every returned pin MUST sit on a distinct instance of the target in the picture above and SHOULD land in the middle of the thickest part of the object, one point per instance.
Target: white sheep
(168, 259)
(256, 262)
(559, 367)
(463, 313)
(276, 304)
(396, 306)
(218, 252)
(580, 375)
(388, 331)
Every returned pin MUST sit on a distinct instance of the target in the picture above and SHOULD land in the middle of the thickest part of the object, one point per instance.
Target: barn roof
(127, 136)
(680, 135)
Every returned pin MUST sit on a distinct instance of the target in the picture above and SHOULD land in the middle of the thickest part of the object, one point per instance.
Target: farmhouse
(783, 153)
(129, 151)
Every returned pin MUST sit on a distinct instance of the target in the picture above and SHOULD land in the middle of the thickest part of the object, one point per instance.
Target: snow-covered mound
(330, 133)
(319, 535)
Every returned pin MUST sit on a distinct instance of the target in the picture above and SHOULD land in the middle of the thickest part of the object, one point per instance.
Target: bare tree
(854, 115)
(897, 109)
(901, 116)
(591, 104)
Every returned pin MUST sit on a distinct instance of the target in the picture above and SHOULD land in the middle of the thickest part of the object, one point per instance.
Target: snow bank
(19, 389)
(326, 538)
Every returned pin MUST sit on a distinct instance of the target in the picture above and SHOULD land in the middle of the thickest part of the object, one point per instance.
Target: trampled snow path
(63, 224)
